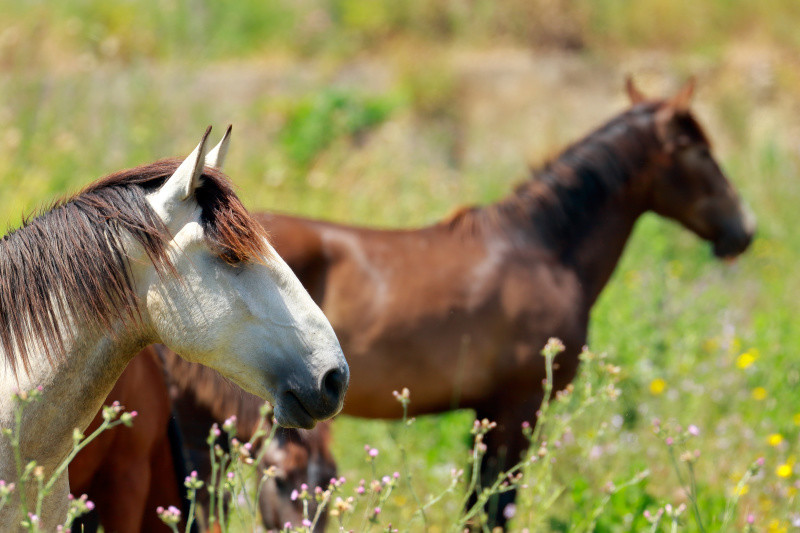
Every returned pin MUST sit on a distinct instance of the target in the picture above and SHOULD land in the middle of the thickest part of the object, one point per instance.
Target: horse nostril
(334, 384)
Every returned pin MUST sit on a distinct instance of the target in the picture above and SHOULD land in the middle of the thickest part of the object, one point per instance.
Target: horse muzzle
(303, 407)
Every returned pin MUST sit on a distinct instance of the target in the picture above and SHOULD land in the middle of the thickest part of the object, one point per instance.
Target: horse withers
(459, 311)
(160, 253)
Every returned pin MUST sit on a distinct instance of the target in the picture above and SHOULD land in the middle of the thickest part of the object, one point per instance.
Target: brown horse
(202, 397)
(128, 472)
(459, 311)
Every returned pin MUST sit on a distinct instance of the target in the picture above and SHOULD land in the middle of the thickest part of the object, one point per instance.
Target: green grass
(90, 87)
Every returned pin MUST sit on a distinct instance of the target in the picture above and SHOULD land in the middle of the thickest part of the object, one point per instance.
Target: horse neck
(596, 255)
(74, 387)
(584, 205)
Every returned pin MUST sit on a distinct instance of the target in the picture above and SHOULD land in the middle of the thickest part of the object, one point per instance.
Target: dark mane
(70, 260)
(560, 200)
(213, 392)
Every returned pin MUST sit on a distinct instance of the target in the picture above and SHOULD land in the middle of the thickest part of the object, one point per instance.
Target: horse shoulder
(542, 297)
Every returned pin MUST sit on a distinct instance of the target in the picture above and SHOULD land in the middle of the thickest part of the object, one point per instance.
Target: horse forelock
(70, 260)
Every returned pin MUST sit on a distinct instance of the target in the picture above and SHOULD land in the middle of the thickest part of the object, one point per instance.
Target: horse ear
(634, 94)
(216, 157)
(681, 101)
(183, 182)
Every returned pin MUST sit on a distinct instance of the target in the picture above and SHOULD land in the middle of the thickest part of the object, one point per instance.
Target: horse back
(450, 314)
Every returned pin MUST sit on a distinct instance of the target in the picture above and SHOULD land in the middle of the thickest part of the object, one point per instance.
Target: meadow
(393, 114)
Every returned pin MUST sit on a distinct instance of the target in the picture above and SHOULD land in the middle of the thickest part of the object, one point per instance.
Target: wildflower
(170, 516)
(404, 396)
(553, 347)
(796, 419)
(693, 430)
(230, 424)
(741, 491)
(775, 439)
(509, 511)
(127, 418)
(775, 526)
(294, 495)
(306, 522)
(341, 506)
(657, 386)
(746, 359)
(6, 488)
(669, 441)
(690, 457)
(759, 393)
(191, 481)
(784, 470)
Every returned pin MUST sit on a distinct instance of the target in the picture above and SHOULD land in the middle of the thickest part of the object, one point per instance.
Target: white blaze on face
(253, 322)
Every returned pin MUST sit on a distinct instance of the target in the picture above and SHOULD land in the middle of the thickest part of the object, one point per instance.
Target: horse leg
(505, 445)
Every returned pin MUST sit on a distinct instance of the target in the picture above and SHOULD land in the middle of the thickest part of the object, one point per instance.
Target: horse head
(688, 184)
(232, 303)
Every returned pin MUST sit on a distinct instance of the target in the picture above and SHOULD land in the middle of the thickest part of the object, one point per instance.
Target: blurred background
(392, 113)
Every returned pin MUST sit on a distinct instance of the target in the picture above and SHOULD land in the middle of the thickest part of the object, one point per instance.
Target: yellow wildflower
(741, 491)
(796, 419)
(759, 393)
(657, 386)
(746, 359)
(776, 527)
(784, 470)
(775, 439)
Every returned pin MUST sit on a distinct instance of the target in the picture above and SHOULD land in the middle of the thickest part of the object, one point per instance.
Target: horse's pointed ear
(683, 99)
(216, 157)
(183, 182)
(634, 94)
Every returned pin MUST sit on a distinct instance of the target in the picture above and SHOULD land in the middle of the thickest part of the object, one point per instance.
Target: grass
(320, 129)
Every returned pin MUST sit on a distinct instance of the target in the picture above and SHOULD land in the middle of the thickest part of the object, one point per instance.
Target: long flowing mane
(70, 260)
(560, 200)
